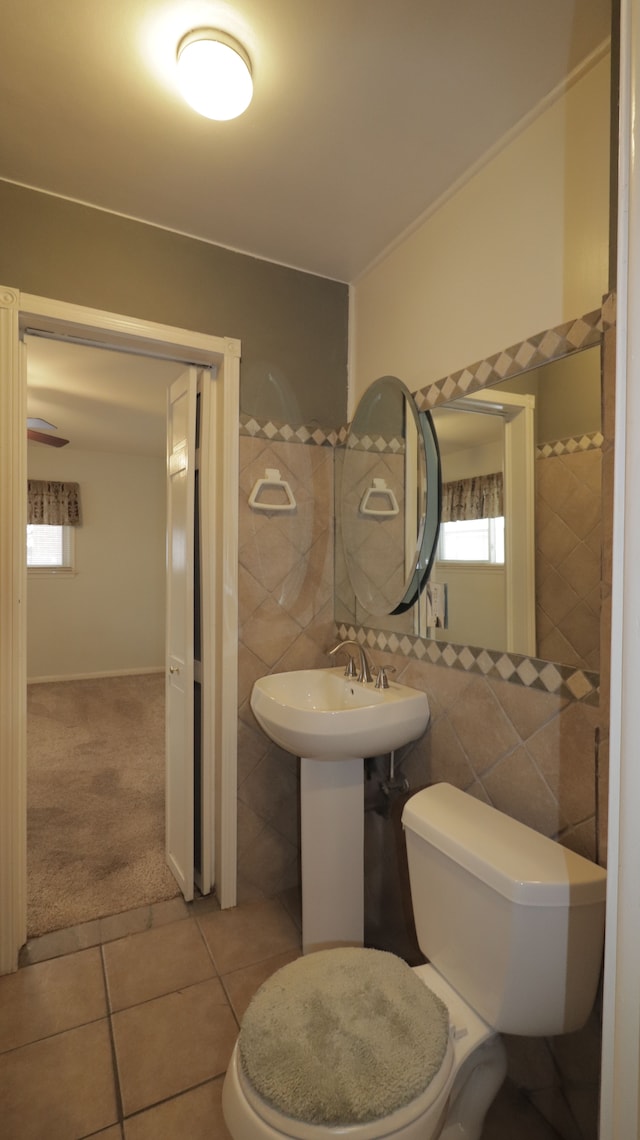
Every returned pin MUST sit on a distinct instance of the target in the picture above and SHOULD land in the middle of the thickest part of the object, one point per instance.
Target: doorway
(96, 637)
(23, 314)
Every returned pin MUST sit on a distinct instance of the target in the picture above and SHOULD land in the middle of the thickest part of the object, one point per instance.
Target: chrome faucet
(365, 668)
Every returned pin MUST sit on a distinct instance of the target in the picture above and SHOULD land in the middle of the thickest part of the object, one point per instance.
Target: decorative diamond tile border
(563, 680)
(530, 672)
(536, 350)
(321, 437)
(573, 336)
(377, 443)
(286, 433)
(591, 442)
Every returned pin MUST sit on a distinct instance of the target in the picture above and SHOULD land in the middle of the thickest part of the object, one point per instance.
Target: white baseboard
(97, 676)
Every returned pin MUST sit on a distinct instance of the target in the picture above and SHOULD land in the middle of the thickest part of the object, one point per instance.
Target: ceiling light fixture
(214, 74)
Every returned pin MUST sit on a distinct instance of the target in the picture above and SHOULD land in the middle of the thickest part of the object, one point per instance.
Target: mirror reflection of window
(486, 554)
(472, 540)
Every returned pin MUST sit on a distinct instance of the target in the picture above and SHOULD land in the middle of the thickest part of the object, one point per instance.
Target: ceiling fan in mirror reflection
(37, 435)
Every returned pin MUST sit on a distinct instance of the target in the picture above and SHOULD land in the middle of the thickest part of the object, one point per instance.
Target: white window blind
(49, 547)
(472, 540)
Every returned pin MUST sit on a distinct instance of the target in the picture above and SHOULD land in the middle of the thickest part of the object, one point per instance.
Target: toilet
(352, 1042)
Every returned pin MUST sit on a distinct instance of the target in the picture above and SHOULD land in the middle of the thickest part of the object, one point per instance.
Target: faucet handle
(382, 681)
(350, 669)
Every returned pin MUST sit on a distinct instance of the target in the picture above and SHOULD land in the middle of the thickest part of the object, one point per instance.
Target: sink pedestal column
(332, 842)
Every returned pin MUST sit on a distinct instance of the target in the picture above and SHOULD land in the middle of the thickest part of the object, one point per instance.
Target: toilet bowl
(354, 1043)
(471, 1044)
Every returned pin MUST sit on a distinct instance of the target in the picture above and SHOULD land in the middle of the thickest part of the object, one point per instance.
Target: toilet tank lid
(523, 865)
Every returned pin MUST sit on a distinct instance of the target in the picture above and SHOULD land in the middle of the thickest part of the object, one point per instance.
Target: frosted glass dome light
(214, 74)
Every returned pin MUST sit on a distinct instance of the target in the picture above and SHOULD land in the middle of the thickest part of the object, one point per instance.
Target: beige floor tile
(170, 910)
(554, 1109)
(173, 1043)
(114, 1133)
(245, 935)
(512, 1117)
(51, 945)
(241, 985)
(51, 996)
(202, 904)
(196, 1115)
(156, 962)
(129, 922)
(59, 1089)
(291, 900)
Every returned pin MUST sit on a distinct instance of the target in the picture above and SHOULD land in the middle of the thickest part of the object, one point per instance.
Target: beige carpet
(95, 799)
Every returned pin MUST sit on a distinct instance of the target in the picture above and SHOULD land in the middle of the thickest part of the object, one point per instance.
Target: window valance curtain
(53, 504)
(480, 497)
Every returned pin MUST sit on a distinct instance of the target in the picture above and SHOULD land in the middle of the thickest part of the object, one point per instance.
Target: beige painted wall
(476, 605)
(521, 247)
(292, 325)
(109, 616)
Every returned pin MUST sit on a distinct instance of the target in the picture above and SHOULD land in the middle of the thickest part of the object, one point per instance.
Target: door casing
(20, 312)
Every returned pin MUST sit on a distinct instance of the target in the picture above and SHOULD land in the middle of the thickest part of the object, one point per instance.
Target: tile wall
(532, 755)
(285, 622)
(528, 737)
(376, 526)
(568, 552)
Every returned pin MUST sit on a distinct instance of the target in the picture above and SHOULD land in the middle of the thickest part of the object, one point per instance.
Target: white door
(517, 411)
(181, 445)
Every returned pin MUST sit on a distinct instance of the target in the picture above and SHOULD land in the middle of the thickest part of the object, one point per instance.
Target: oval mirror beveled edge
(429, 521)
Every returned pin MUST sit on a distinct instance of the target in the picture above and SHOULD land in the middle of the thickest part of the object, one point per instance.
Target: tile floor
(123, 1028)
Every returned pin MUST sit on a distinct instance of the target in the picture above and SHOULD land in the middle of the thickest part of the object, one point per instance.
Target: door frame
(517, 412)
(22, 311)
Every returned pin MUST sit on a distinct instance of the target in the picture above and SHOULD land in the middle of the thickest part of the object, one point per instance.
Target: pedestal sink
(332, 722)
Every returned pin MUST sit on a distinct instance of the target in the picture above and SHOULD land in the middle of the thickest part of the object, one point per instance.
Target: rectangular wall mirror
(518, 563)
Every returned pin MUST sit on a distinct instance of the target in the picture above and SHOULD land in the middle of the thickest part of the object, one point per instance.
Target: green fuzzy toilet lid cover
(343, 1037)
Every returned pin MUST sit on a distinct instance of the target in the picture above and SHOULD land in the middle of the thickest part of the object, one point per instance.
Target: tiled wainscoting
(285, 622)
(528, 736)
(568, 552)
(529, 753)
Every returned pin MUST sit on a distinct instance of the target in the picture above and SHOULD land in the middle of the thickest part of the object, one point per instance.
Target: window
(472, 540)
(50, 548)
(472, 528)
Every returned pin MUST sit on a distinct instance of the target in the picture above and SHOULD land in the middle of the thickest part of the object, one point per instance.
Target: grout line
(203, 936)
(50, 1036)
(168, 1099)
(231, 1005)
(114, 1053)
(180, 989)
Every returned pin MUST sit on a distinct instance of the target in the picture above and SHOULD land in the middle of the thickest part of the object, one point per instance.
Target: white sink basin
(321, 714)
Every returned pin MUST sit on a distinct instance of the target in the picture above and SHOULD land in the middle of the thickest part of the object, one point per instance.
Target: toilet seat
(343, 1037)
(249, 1117)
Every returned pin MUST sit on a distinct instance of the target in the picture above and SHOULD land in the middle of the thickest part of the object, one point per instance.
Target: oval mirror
(390, 502)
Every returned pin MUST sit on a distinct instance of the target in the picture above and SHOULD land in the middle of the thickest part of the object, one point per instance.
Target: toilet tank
(513, 920)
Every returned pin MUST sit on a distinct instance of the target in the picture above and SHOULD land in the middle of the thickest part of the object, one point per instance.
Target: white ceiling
(365, 113)
(98, 399)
